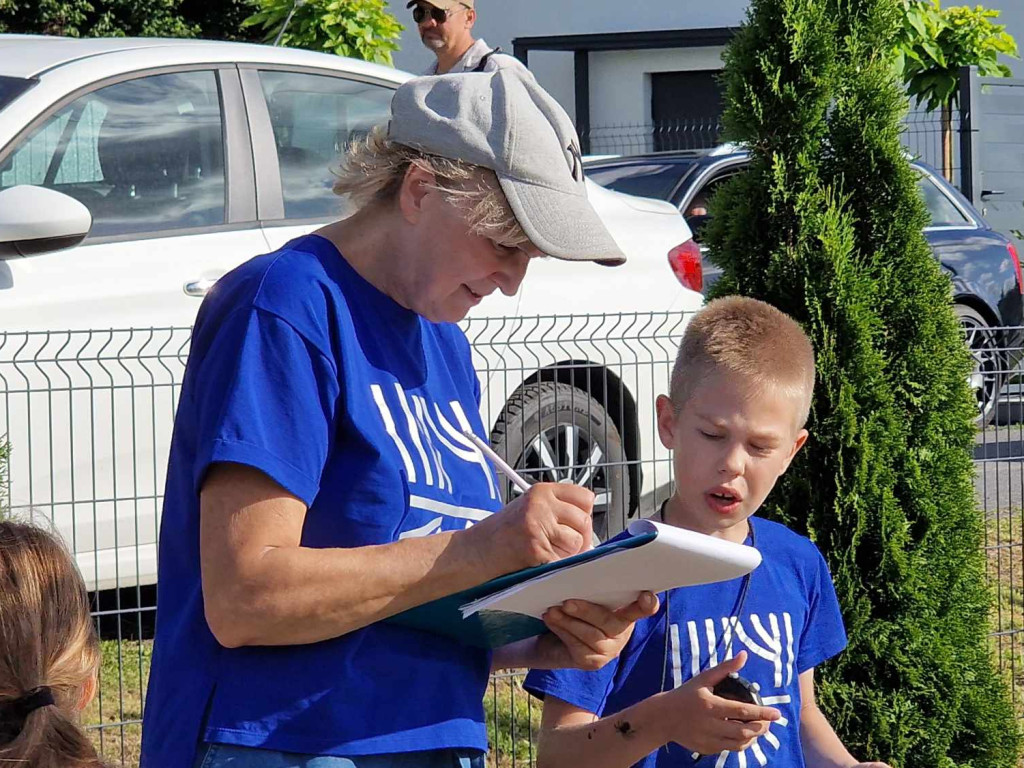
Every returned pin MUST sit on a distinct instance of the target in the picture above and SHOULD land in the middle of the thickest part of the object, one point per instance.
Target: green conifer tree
(827, 225)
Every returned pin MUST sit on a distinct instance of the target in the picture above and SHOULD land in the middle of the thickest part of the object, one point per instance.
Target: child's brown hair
(49, 652)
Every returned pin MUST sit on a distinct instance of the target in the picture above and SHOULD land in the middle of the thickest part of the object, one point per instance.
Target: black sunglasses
(439, 15)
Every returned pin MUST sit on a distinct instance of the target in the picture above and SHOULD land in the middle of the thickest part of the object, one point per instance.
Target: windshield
(12, 87)
(643, 179)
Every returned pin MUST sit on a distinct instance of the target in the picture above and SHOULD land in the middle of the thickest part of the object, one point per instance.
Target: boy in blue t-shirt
(740, 394)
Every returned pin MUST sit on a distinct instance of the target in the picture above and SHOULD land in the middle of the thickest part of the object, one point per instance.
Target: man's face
(451, 34)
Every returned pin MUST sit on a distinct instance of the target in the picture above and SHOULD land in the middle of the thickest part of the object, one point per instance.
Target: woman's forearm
(261, 587)
(297, 595)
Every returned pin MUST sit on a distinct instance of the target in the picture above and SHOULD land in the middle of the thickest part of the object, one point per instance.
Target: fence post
(970, 146)
(581, 69)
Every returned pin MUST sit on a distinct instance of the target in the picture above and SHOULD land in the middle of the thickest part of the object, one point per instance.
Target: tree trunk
(947, 142)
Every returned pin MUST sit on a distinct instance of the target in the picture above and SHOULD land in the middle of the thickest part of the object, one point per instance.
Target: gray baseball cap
(504, 120)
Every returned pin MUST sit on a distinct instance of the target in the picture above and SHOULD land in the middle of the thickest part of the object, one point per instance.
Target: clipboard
(648, 556)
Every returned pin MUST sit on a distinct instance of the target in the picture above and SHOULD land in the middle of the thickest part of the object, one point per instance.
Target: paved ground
(999, 458)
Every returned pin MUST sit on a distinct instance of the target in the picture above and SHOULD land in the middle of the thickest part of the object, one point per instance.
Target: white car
(134, 173)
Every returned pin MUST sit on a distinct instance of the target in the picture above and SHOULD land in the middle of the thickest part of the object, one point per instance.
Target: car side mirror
(36, 220)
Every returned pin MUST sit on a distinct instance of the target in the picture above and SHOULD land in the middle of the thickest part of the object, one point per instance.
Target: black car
(983, 264)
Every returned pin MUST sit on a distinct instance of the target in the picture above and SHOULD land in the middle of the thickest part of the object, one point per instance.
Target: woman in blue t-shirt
(319, 478)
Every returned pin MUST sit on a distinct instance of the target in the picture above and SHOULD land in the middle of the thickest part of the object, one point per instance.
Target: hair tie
(14, 711)
(35, 699)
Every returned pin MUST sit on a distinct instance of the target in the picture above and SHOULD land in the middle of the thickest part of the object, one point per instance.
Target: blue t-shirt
(356, 405)
(788, 623)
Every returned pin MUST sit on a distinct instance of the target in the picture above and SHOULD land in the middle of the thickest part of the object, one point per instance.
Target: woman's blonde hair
(47, 645)
(372, 170)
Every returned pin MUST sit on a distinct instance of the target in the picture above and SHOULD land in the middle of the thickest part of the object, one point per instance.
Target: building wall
(619, 80)
(619, 86)
(620, 83)
(499, 21)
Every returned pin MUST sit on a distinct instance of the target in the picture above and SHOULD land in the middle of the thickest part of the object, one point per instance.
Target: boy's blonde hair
(372, 170)
(747, 338)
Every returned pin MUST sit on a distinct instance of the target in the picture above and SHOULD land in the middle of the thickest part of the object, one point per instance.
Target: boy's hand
(587, 636)
(871, 765)
(702, 722)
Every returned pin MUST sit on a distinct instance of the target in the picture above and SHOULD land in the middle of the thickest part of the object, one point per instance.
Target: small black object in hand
(736, 688)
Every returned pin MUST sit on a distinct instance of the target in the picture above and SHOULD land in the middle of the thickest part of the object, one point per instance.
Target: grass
(1004, 549)
(512, 717)
(123, 676)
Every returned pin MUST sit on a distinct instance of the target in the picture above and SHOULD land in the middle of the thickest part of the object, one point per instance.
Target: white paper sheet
(674, 558)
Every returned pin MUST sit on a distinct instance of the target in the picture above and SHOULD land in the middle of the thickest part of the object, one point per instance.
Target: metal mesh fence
(88, 417)
(922, 136)
(663, 136)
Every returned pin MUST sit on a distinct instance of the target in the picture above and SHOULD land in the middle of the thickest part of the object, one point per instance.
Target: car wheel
(555, 433)
(986, 379)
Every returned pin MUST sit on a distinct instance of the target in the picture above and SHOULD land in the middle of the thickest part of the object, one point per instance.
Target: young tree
(934, 43)
(362, 29)
(827, 225)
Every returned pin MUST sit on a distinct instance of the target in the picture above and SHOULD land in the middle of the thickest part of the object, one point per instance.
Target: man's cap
(444, 5)
(504, 120)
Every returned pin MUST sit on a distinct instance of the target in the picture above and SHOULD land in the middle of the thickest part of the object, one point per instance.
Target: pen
(487, 451)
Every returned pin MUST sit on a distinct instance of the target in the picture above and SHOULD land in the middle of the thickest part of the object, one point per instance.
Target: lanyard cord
(740, 602)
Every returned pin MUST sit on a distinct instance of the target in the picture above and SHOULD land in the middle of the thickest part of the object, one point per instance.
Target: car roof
(32, 55)
(720, 152)
(677, 156)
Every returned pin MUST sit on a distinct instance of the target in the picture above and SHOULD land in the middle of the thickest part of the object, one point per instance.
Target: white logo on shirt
(770, 639)
(435, 436)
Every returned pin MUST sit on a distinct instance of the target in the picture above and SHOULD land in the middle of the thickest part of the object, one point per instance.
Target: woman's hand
(547, 523)
(587, 636)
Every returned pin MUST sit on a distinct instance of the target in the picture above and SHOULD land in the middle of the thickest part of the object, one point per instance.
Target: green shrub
(827, 225)
(362, 29)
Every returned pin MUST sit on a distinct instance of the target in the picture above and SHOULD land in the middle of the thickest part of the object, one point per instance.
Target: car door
(301, 122)
(170, 192)
(89, 365)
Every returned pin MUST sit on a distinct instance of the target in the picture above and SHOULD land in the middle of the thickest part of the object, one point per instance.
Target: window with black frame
(144, 155)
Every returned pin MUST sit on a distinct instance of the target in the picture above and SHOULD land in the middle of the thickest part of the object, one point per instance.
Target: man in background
(446, 28)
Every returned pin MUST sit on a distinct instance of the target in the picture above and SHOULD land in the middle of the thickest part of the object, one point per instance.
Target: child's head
(48, 652)
(740, 395)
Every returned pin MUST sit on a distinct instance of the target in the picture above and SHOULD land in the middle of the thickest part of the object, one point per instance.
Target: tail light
(1016, 265)
(685, 260)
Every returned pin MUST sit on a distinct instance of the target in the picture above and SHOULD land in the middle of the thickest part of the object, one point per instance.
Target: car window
(697, 213)
(144, 155)
(652, 179)
(314, 117)
(940, 208)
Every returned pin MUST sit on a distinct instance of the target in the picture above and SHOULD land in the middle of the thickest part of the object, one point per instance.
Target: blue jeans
(230, 756)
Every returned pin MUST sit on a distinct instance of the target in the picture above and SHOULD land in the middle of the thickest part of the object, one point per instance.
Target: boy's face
(730, 445)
